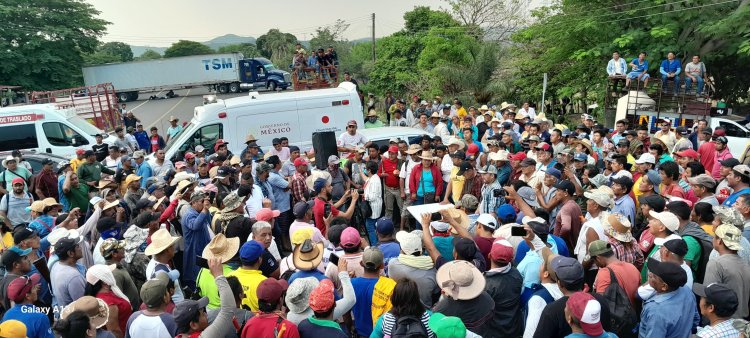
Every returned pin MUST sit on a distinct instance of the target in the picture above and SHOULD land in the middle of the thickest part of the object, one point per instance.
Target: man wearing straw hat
(223, 249)
(162, 250)
(174, 128)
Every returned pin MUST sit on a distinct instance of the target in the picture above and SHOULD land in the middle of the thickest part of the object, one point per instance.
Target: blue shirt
(37, 323)
(670, 315)
(310, 273)
(426, 182)
(195, 232)
(362, 310)
(145, 172)
(390, 250)
(43, 225)
(670, 67)
(281, 192)
(63, 200)
(640, 66)
(557, 243)
(733, 197)
(503, 174)
(142, 138)
(625, 206)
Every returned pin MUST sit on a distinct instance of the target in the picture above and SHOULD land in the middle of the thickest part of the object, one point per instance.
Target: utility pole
(373, 37)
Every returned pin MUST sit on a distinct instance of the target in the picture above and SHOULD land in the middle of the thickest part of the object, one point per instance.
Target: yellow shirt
(637, 193)
(381, 297)
(250, 279)
(7, 240)
(457, 184)
(207, 285)
(74, 163)
(461, 112)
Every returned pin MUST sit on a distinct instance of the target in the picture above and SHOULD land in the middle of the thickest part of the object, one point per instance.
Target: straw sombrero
(221, 247)
(96, 309)
(307, 256)
(160, 241)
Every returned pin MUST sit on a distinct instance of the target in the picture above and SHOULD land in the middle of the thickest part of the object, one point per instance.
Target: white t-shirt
(254, 202)
(350, 141)
(161, 326)
(406, 169)
(580, 249)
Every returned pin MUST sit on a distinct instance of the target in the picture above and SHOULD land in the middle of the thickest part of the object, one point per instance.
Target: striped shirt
(389, 324)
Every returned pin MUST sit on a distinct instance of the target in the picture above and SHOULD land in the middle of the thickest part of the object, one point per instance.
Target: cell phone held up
(327, 210)
(201, 262)
(333, 259)
(518, 231)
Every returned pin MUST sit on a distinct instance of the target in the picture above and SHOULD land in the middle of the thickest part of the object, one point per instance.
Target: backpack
(706, 248)
(623, 318)
(409, 327)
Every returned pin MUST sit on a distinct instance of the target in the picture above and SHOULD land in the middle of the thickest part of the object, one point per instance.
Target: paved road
(157, 112)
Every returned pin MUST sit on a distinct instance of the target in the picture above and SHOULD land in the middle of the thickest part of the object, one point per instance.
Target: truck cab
(258, 73)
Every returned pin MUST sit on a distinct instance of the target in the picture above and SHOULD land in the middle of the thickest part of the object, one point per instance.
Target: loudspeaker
(324, 144)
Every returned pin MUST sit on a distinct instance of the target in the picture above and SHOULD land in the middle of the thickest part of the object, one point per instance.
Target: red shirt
(387, 167)
(319, 214)
(673, 189)
(266, 324)
(707, 155)
(124, 308)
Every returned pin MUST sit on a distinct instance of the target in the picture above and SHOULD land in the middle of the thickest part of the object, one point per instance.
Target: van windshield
(84, 125)
(269, 66)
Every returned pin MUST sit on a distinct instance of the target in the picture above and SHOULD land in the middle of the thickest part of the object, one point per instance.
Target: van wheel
(272, 86)
(123, 97)
(223, 89)
(234, 87)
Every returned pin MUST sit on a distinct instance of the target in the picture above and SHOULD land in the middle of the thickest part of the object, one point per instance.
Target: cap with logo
(501, 251)
(587, 310)
(488, 221)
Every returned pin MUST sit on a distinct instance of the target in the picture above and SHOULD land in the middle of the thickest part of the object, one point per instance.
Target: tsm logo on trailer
(217, 64)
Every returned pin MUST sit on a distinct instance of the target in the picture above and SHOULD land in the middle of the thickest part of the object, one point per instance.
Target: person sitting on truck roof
(639, 70)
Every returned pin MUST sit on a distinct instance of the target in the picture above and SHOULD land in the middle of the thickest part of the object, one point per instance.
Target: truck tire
(272, 86)
(223, 89)
(234, 87)
(123, 96)
(133, 96)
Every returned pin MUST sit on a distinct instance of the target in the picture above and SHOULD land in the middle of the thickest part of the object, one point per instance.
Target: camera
(499, 193)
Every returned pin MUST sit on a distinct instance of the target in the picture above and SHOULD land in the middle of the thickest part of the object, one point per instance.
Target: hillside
(215, 43)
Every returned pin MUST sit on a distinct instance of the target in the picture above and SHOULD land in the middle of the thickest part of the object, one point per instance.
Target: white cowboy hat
(221, 247)
(160, 241)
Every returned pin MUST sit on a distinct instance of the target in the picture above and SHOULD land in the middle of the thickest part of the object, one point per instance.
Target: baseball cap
(12, 328)
(17, 180)
(153, 291)
(464, 247)
(250, 252)
(319, 184)
(667, 218)
(266, 214)
(599, 247)
(13, 255)
(411, 242)
(187, 309)
(469, 202)
(519, 156)
(321, 297)
(528, 162)
(21, 286)
(458, 154)
(567, 269)
(677, 246)
(719, 132)
(301, 208)
(22, 233)
(372, 258)
(489, 169)
(299, 161)
(623, 142)
(566, 186)
(689, 152)
(730, 162)
(488, 221)
(505, 213)
(384, 226)
(703, 180)
(721, 139)
(587, 310)
(271, 289)
(681, 130)
(730, 235)
(646, 158)
(333, 159)
(351, 123)
(553, 171)
(543, 146)
(447, 327)
(655, 179)
(472, 150)
(350, 238)
(669, 272)
(742, 169)
(463, 167)
(501, 251)
(720, 295)
(67, 244)
(582, 157)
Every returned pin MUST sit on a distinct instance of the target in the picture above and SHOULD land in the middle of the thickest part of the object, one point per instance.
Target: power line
(671, 11)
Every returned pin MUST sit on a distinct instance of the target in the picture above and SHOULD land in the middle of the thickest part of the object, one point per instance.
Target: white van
(294, 115)
(46, 129)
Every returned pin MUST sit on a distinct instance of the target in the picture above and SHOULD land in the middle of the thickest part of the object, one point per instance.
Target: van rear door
(268, 121)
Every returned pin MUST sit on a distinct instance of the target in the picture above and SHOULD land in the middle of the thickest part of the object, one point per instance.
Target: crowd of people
(521, 228)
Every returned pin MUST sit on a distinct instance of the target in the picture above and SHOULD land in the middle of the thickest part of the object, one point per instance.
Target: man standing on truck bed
(351, 139)
(90, 172)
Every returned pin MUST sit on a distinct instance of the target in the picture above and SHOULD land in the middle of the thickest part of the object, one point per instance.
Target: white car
(381, 136)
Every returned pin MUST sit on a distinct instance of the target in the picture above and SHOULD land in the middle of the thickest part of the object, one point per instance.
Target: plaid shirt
(489, 203)
(299, 188)
(630, 252)
(721, 330)
(473, 186)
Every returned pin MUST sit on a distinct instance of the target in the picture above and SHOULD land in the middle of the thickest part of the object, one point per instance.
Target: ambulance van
(45, 128)
(294, 115)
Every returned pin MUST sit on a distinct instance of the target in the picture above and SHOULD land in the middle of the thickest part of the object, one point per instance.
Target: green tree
(186, 48)
(248, 50)
(149, 55)
(277, 46)
(43, 42)
(473, 76)
(489, 19)
(119, 49)
(421, 19)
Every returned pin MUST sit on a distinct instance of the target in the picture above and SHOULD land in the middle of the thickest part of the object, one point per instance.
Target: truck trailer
(229, 72)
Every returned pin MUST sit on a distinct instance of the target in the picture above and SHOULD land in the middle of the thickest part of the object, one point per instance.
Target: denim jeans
(689, 84)
(372, 237)
(665, 79)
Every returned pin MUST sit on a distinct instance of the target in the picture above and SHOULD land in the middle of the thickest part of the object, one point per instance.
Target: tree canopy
(248, 50)
(187, 48)
(43, 42)
(277, 46)
(110, 52)
(149, 55)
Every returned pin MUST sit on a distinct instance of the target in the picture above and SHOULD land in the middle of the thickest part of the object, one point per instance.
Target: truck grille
(287, 77)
